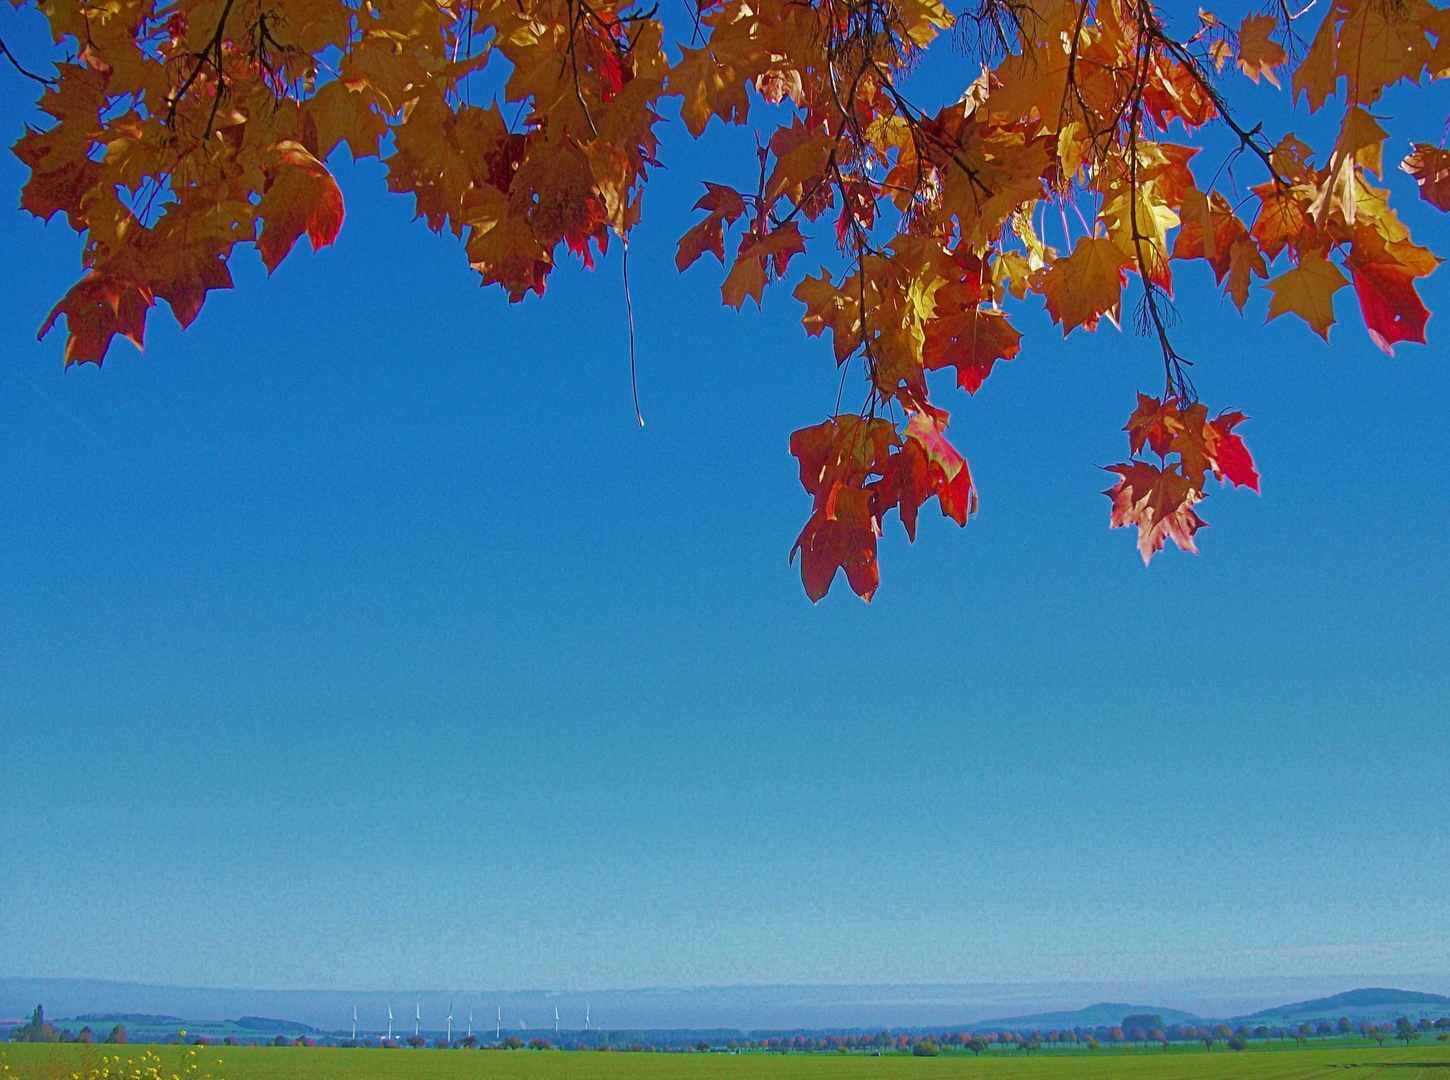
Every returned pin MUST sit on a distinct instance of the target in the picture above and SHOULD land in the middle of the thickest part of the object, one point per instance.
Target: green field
(20, 1061)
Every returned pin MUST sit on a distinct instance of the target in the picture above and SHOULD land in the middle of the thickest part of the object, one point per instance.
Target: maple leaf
(1230, 457)
(710, 88)
(1430, 166)
(831, 308)
(757, 258)
(956, 493)
(1151, 426)
(1391, 307)
(1086, 284)
(725, 206)
(96, 309)
(1258, 55)
(1159, 502)
(970, 340)
(1308, 291)
(840, 537)
(302, 197)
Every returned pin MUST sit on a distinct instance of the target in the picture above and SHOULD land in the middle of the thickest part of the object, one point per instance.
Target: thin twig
(22, 69)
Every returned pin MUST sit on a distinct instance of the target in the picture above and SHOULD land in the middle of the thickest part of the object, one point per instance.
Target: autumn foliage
(179, 129)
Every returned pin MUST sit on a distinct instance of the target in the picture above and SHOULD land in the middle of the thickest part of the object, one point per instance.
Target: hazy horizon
(745, 1007)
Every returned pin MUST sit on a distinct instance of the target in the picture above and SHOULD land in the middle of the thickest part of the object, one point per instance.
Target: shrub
(926, 1048)
(1236, 1043)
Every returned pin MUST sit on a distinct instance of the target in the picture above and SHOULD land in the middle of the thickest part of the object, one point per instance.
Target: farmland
(62, 1062)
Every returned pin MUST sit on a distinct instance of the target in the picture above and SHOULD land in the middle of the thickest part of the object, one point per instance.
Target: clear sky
(358, 637)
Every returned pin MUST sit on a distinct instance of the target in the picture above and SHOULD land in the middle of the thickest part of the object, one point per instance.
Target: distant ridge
(264, 1023)
(127, 1018)
(1365, 1000)
(1103, 1014)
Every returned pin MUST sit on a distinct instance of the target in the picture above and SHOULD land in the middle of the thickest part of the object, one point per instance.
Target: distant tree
(1030, 1044)
(976, 1044)
(117, 1035)
(1443, 1022)
(540, 1044)
(1323, 1028)
(924, 1048)
(1305, 1029)
(469, 1042)
(1424, 1024)
(1261, 1032)
(84, 1035)
(1379, 1033)
(230, 1040)
(1136, 1034)
(417, 1041)
(1242, 1031)
(201, 1040)
(1346, 1026)
(1208, 1038)
(1406, 1030)
(1188, 1031)
(35, 1029)
(1444, 1036)
(1237, 1043)
(1092, 1042)
(1116, 1034)
(513, 1042)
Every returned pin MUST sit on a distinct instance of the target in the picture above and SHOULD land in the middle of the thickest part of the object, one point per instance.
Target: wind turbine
(417, 1018)
(450, 1023)
(556, 1020)
(498, 1025)
(354, 1023)
(586, 1017)
(470, 1021)
(390, 1021)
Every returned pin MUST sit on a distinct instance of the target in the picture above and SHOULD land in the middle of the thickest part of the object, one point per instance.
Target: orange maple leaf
(302, 197)
(1258, 54)
(1088, 283)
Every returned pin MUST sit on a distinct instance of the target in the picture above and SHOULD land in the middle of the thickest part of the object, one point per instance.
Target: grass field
(20, 1061)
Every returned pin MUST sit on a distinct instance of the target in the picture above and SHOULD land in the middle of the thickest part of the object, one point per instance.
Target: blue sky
(358, 637)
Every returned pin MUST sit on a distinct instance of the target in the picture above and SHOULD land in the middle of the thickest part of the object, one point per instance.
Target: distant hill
(1103, 1014)
(263, 1023)
(127, 1018)
(1367, 1003)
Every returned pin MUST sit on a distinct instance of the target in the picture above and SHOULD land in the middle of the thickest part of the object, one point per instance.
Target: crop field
(57, 1062)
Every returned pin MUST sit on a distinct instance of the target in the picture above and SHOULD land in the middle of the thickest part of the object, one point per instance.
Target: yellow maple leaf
(1088, 283)
(710, 89)
(1308, 291)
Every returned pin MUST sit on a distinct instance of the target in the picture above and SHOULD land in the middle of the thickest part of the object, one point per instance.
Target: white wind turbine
(586, 1017)
(450, 1023)
(498, 1024)
(354, 1023)
(390, 1022)
(417, 1018)
(556, 1020)
(470, 1021)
